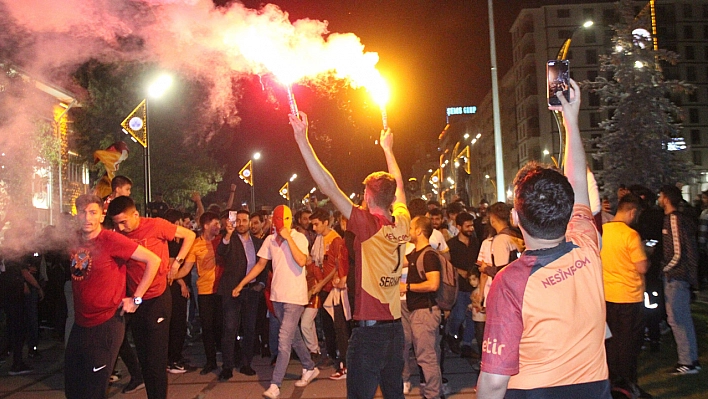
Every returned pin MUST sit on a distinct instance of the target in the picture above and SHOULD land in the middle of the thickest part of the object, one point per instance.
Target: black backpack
(447, 292)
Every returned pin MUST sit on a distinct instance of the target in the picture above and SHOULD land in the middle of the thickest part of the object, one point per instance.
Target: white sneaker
(273, 392)
(406, 387)
(307, 377)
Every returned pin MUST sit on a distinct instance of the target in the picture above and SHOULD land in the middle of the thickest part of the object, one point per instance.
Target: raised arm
(319, 173)
(386, 141)
(575, 162)
(198, 202)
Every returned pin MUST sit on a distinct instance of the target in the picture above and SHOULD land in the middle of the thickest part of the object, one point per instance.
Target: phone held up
(558, 77)
(232, 217)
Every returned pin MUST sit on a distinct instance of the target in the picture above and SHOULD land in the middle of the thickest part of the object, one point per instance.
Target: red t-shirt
(546, 316)
(153, 234)
(98, 276)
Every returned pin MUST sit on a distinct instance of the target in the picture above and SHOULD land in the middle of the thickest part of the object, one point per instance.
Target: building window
(690, 53)
(564, 34)
(597, 164)
(695, 137)
(594, 139)
(592, 75)
(593, 99)
(609, 16)
(563, 13)
(588, 13)
(691, 74)
(687, 10)
(595, 119)
(697, 158)
(591, 56)
(590, 37)
(693, 116)
(688, 31)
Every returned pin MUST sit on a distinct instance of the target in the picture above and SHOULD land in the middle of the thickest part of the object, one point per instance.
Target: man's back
(546, 316)
(621, 250)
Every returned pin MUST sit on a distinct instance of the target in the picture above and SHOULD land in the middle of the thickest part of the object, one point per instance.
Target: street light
(136, 124)
(257, 156)
(491, 181)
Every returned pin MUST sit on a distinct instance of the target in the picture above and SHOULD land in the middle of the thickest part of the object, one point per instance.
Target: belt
(371, 323)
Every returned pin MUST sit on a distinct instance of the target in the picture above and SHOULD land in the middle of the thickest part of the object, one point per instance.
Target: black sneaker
(225, 375)
(176, 368)
(208, 368)
(134, 386)
(682, 369)
(247, 370)
(20, 369)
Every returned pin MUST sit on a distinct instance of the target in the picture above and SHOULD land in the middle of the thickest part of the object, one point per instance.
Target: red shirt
(98, 276)
(546, 316)
(153, 234)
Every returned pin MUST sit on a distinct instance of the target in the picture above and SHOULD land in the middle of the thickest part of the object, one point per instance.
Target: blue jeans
(375, 358)
(678, 312)
(461, 316)
(289, 337)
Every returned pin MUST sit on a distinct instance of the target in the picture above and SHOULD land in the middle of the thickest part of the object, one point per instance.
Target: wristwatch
(179, 261)
(137, 300)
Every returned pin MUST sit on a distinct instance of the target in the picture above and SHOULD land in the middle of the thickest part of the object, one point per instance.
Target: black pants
(16, 331)
(211, 316)
(178, 324)
(127, 353)
(151, 328)
(89, 357)
(336, 331)
(626, 323)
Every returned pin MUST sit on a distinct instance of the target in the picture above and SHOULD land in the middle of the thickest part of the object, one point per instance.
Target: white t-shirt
(437, 242)
(289, 283)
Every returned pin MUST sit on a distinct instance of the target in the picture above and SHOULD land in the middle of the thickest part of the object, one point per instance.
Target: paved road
(47, 382)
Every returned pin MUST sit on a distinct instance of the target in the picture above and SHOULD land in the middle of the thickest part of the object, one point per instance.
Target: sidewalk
(47, 381)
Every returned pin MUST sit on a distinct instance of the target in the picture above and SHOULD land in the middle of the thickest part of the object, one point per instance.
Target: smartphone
(651, 243)
(232, 217)
(558, 78)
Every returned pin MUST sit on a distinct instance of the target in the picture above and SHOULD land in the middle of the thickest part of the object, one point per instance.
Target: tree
(181, 161)
(636, 147)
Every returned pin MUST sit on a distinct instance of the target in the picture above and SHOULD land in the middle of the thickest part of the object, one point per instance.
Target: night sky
(434, 54)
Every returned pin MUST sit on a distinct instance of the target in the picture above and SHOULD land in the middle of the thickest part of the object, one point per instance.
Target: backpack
(447, 292)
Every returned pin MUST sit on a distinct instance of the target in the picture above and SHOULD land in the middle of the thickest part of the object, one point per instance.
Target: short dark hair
(381, 187)
(321, 215)
(84, 200)
(172, 215)
(244, 212)
(455, 208)
(207, 217)
(629, 202)
(417, 207)
(463, 217)
(544, 201)
(258, 215)
(119, 205)
(424, 223)
(435, 212)
(500, 210)
(672, 193)
(120, 181)
(434, 203)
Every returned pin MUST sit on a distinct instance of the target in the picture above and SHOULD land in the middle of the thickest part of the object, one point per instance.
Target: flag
(436, 177)
(285, 191)
(465, 155)
(246, 173)
(135, 124)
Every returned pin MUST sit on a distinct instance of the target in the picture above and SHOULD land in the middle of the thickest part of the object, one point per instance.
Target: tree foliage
(643, 120)
(180, 158)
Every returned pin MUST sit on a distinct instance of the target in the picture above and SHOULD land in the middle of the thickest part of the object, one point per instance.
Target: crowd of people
(558, 278)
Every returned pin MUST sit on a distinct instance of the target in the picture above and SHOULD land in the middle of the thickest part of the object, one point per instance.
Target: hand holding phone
(558, 79)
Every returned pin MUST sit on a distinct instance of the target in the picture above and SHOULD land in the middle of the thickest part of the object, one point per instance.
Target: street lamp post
(562, 54)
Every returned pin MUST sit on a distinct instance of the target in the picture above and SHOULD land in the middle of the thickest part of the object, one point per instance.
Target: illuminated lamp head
(282, 218)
